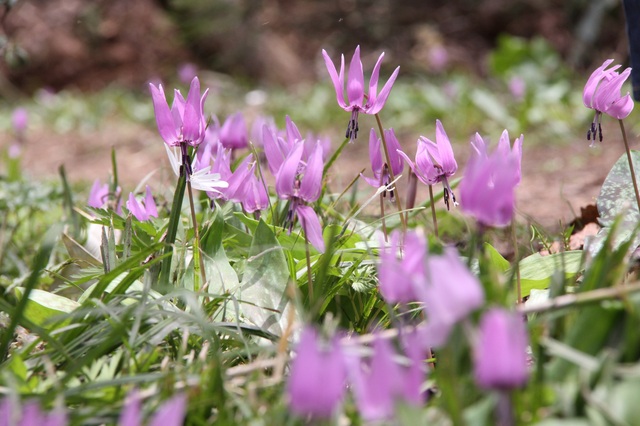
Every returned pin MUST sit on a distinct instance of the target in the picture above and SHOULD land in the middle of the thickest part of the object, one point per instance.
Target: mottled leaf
(617, 196)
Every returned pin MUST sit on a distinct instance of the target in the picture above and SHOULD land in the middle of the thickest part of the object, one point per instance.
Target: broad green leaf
(617, 196)
(44, 306)
(221, 276)
(264, 282)
(496, 258)
(536, 270)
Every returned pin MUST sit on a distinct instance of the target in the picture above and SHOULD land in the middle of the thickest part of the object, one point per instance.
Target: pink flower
(184, 123)
(99, 195)
(318, 373)
(357, 100)
(233, 134)
(435, 162)
(602, 93)
(500, 354)
(19, 120)
(170, 412)
(380, 167)
(399, 277)
(142, 210)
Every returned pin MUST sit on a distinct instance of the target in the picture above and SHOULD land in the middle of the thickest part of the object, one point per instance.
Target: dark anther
(352, 129)
(446, 198)
(599, 132)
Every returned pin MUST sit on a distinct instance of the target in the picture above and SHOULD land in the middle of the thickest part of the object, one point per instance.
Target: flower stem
(309, 279)
(391, 174)
(633, 174)
(198, 261)
(384, 225)
(433, 211)
(517, 260)
(172, 229)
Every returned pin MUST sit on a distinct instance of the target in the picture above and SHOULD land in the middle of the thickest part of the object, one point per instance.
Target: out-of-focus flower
(170, 412)
(500, 353)
(300, 183)
(187, 72)
(318, 373)
(357, 101)
(504, 148)
(19, 120)
(30, 414)
(184, 123)
(142, 210)
(602, 93)
(379, 385)
(517, 87)
(257, 131)
(201, 178)
(379, 166)
(399, 277)
(487, 190)
(450, 293)
(435, 162)
(99, 195)
(246, 188)
(233, 134)
(438, 58)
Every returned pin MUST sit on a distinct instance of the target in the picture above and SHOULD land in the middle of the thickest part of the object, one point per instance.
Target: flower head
(602, 93)
(399, 277)
(488, 188)
(99, 195)
(234, 134)
(201, 178)
(318, 373)
(380, 168)
(184, 123)
(357, 101)
(450, 293)
(500, 352)
(142, 210)
(435, 162)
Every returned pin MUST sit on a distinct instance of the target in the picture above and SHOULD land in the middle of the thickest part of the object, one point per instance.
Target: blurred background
(80, 70)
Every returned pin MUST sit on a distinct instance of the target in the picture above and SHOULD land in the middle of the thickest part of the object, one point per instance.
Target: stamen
(352, 127)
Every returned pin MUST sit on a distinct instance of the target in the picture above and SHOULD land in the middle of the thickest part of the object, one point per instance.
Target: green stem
(391, 174)
(198, 261)
(433, 211)
(517, 260)
(384, 225)
(172, 230)
(309, 279)
(633, 174)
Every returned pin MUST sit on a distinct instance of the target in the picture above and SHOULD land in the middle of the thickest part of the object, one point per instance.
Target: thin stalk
(384, 224)
(517, 260)
(309, 279)
(172, 230)
(198, 261)
(391, 174)
(633, 173)
(433, 211)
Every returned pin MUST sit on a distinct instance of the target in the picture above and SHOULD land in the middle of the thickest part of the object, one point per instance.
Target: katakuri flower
(357, 100)
(170, 412)
(500, 352)
(99, 195)
(234, 133)
(19, 120)
(301, 182)
(184, 123)
(201, 177)
(450, 293)
(316, 385)
(487, 190)
(380, 168)
(505, 148)
(399, 277)
(30, 414)
(602, 93)
(435, 162)
(247, 188)
(142, 210)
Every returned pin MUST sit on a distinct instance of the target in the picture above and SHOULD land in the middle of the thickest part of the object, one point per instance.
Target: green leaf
(264, 282)
(221, 276)
(43, 306)
(536, 270)
(496, 259)
(617, 196)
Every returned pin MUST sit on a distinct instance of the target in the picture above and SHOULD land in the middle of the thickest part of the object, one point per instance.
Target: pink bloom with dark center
(379, 166)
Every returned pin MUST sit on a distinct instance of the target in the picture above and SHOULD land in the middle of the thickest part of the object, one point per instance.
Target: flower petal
(338, 80)
(311, 226)
(447, 160)
(381, 99)
(355, 81)
(286, 176)
(373, 81)
(393, 146)
(375, 156)
(311, 184)
(164, 119)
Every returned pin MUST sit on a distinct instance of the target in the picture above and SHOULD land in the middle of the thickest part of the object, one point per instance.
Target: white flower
(200, 179)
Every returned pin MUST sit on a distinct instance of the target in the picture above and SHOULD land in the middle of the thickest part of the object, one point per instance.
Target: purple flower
(602, 93)
(246, 188)
(517, 87)
(488, 188)
(30, 414)
(299, 183)
(380, 384)
(170, 413)
(202, 177)
(184, 123)
(380, 168)
(99, 195)
(435, 162)
(504, 148)
(142, 210)
(256, 129)
(317, 382)
(19, 120)
(500, 353)
(187, 71)
(357, 101)
(233, 134)
(450, 293)
(399, 277)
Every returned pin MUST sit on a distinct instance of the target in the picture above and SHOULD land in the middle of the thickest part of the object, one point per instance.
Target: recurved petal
(592, 83)
(311, 184)
(311, 226)
(272, 150)
(164, 119)
(381, 99)
(136, 208)
(355, 80)
(150, 204)
(479, 146)
(393, 145)
(373, 81)
(286, 176)
(338, 80)
(447, 160)
(621, 108)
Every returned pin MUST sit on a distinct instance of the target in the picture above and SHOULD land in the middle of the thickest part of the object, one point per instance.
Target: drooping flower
(381, 383)
(184, 123)
(379, 166)
(487, 190)
(435, 162)
(233, 134)
(316, 385)
(500, 353)
(602, 93)
(99, 195)
(504, 147)
(399, 277)
(357, 100)
(300, 183)
(450, 293)
(142, 210)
